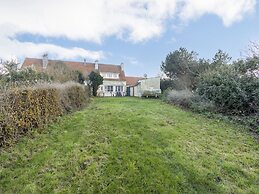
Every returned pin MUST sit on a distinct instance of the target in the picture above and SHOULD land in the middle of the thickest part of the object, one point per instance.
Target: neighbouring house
(143, 87)
(131, 82)
(114, 81)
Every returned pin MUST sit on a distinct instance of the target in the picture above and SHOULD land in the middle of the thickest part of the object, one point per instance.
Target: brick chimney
(45, 61)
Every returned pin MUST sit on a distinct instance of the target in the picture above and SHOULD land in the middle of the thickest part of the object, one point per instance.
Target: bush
(32, 107)
(232, 93)
(203, 106)
(182, 98)
(220, 88)
(61, 72)
(23, 77)
(175, 84)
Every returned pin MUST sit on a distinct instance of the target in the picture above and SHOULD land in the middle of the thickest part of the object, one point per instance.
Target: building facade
(143, 87)
(113, 85)
(114, 81)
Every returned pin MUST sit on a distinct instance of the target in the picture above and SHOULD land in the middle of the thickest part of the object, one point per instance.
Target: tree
(166, 84)
(183, 68)
(80, 77)
(220, 58)
(178, 63)
(95, 80)
(61, 72)
(253, 50)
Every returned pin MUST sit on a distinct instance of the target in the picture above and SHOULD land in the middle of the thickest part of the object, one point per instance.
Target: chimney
(122, 66)
(84, 62)
(1, 61)
(96, 65)
(45, 61)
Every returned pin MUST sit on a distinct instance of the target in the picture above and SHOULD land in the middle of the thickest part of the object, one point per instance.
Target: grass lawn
(130, 145)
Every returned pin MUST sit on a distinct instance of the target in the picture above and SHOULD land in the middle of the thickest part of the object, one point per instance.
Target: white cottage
(114, 81)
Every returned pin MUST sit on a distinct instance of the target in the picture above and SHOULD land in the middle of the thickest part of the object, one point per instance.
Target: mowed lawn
(130, 145)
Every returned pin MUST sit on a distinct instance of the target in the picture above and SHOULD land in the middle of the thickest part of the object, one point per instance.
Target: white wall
(148, 84)
(114, 84)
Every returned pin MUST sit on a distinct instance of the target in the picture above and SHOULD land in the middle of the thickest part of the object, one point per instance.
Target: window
(119, 88)
(110, 75)
(109, 88)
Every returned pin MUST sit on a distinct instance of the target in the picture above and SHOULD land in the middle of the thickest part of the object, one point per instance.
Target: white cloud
(131, 60)
(88, 20)
(10, 47)
(230, 11)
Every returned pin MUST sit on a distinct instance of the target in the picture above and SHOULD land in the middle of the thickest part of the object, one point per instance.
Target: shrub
(61, 72)
(231, 92)
(31, 107)
(175, 84)
(201, 105)
(182, 98)
(23, 77)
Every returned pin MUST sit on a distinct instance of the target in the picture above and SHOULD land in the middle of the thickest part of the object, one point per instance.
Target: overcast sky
(139, 33)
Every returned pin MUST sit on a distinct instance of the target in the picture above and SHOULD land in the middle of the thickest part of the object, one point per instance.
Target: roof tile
(86, 68)
(132, 81)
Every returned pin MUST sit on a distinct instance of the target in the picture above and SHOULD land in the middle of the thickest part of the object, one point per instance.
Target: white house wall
(137, 91)
(114, 84)
(143, 85)
(131, 91)
(150, 83)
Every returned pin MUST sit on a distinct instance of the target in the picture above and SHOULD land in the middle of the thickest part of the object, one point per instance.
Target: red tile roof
(132, 81)
(86, 68)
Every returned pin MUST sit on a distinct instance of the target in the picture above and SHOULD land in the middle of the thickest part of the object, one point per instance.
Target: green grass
(129, 145)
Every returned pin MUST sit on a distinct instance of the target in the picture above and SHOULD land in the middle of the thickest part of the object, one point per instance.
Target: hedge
(28, 108)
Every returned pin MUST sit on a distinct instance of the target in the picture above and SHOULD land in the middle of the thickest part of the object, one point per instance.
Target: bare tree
(253, 49)
(7, 67)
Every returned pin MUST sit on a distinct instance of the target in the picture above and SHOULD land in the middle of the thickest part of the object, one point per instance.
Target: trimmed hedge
(33, 107)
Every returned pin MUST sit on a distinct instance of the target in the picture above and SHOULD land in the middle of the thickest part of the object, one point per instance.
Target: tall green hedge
(231, 92)
(32, 107)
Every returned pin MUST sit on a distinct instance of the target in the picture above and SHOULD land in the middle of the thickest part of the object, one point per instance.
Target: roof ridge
(134, 76)
(72, 61)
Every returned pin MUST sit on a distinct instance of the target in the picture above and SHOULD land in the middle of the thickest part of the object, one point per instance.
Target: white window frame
(109, 88)
(119, 88)
(110, 75)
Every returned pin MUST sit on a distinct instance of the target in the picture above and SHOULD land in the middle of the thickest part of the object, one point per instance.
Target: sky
(139, 33)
